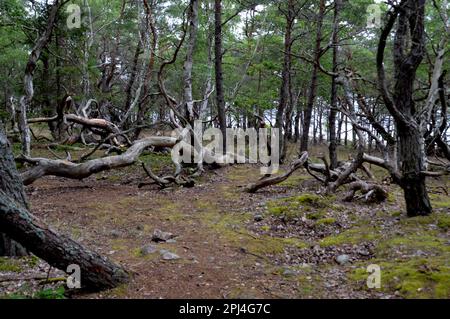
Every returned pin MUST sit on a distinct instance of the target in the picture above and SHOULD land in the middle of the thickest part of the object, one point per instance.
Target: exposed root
(166, 181)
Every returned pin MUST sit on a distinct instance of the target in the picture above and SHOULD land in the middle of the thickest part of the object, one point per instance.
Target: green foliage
(50, 293)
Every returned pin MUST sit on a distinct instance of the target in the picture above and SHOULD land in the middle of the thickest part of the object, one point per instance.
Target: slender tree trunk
(203, 106)
(333, 107)
(188, 62)
(25, 101)
(313, 87)
(218, 52)
(286, 78)
(143, 103)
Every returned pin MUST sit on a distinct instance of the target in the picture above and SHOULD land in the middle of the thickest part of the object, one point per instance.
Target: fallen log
(97, 273)
(64, 168)
(268, 181)
(371, 193)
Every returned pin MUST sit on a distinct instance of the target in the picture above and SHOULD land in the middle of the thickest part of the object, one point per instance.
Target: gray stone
(148, 249)
(115, 233)
(258, 218)
(364, 252)
(159, 235)
(289, 272)
(342, 259)
(170, 256)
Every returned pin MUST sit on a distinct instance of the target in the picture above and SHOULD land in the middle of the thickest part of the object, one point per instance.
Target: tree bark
(220, 95)
(35, 54)
(14, 189)
(409, 50)
(333, 107)
(285, 89)
(313, 88)
(188, 62)
(63, 168)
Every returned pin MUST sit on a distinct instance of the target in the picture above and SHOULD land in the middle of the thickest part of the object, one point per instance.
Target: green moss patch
(231, 227)
(440, 201)
(413, 278)
(9, 264)
(355, 235)
(310, 204)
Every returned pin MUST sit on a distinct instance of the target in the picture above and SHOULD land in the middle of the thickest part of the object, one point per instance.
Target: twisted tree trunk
(409, 50)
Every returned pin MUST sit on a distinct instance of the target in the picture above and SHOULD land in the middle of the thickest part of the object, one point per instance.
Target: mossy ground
(10, 265)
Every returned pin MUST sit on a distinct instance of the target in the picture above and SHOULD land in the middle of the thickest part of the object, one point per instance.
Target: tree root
(166, 181)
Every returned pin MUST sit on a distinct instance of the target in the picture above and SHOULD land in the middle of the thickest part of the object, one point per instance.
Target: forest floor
(285, 241)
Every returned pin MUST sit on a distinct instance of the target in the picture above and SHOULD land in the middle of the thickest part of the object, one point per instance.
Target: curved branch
(62, 168)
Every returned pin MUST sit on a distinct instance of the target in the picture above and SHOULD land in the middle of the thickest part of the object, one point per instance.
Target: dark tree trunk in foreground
(220, 96)
(16, 222)
(25, 101)
(409, 50)
(313, 88)
(13, 187)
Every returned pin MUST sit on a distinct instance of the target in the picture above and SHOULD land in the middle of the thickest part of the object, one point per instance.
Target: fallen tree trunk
(63, 168)
(16, 222)
(97, 273)
(265, 182)
(372, 193)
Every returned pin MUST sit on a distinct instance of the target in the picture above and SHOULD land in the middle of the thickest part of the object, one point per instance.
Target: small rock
(289, 272)
(115, 233)
(170, 256)
(364, 252)
(420, 253)
(258, 218)
(171, 241)
(148, 249)
(342, 259)
(159, 235)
